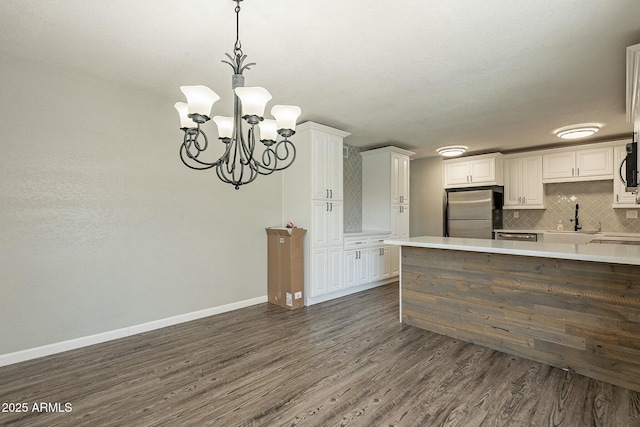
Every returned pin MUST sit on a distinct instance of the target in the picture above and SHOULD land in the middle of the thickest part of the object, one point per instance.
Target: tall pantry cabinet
(385, 194)
(312, 198)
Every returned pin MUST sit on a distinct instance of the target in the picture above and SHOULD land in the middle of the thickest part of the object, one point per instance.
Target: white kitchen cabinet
(326, 170)
(366, 265)
(385, 190)
(379, 263)
(585, 164)
(523, 188)
(399, 178)
(394, 260)
(356, 267)
(400, 221)
(327, 222)
(312, 199)
(621, 198)
(326, 271)
(473, 171)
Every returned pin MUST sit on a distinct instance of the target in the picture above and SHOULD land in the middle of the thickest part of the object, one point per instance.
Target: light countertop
(609, 253)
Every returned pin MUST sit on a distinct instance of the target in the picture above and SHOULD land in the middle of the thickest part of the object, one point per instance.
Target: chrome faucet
(576, 220)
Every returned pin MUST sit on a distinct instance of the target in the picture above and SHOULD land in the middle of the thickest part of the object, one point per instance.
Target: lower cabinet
(326, 271)
(366, 265)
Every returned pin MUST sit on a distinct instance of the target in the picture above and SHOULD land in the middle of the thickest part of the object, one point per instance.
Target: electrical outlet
(516, 214)
(632, 214)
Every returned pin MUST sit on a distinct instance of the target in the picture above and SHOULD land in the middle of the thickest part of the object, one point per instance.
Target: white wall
(427, 197)
(101, 226)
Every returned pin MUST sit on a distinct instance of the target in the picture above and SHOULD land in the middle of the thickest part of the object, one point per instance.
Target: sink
(570, 236)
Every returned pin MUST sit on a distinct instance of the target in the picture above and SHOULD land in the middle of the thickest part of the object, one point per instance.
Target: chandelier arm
(189, 141)
(289, 148)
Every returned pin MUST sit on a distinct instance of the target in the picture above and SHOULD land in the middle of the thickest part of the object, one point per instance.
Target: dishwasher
(520, 237)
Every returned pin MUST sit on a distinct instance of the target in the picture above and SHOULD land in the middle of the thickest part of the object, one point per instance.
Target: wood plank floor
(346, 362)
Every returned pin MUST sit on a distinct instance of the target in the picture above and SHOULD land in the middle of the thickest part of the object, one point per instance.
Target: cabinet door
(404, 179)
(404, 222)
(482, 170)
(594, 162)
(456, 173)
(532, 188)
(620, 195)
(319, 271)
(363, 266)
(319, 223)
(319, 165)
(350, 268)
(336, 268)
(336, 223)
(513, 181)
(558, 165)
(395, 220)
(400, 221)
(385, 263)
(394, 260)
(333, 171)
(399, 178)
(375, 256)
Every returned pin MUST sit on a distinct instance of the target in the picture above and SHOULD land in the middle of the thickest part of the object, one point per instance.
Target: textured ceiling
(492, 75)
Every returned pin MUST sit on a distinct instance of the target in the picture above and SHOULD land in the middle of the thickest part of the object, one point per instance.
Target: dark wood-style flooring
(346, 362)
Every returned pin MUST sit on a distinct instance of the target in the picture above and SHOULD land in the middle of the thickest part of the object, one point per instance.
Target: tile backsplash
(352, 189)
(595, 199)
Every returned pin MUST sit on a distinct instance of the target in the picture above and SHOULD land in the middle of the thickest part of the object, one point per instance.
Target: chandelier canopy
(239, 163)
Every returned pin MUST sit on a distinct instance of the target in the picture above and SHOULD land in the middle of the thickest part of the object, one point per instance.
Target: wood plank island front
(571, 306)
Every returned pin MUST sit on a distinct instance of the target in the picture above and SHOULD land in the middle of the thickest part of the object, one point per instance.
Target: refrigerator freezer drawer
(474, 228)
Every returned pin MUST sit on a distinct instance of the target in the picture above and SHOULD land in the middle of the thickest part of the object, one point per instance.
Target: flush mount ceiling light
(451, 150)
(239, 164)
(577, 131)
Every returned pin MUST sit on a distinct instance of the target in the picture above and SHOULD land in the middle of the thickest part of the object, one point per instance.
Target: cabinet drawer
(355, 243)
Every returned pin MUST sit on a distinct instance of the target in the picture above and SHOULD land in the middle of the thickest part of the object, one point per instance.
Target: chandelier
(240, 163)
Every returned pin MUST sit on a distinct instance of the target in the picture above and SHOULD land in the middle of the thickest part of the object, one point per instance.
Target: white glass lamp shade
(200, 99)
(183, 111)
(225, 126)
(268, 130)
(286, 116)
(254, 100)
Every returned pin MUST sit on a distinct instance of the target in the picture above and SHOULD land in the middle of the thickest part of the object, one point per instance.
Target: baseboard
(349, 291)
(59, 347)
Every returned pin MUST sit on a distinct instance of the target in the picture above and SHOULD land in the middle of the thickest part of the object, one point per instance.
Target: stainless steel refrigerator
(473, 212)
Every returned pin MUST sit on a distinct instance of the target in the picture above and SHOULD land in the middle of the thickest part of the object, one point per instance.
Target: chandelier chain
(237, 47)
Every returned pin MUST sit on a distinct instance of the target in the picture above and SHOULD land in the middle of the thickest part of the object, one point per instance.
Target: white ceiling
(420, 74)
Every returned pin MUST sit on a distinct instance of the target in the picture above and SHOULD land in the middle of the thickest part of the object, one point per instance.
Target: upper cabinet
(385, 190)
(473, 171)
(399, 178)
(523, 187)
(585, 164)
(326, 169)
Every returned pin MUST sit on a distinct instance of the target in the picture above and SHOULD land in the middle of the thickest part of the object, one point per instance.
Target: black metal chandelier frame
(238, 164)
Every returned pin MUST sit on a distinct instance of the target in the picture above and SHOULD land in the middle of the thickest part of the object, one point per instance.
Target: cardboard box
(285, 267)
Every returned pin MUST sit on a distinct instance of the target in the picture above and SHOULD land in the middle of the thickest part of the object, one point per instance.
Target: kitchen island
(571, 306)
